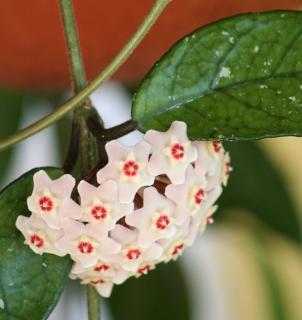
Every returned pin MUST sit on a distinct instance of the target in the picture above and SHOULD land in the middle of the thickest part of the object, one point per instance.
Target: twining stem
(79, 82)
(80, 97)
(85, 139)
(72, 42)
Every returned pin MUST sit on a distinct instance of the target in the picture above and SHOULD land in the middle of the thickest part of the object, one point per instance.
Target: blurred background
(248, 265)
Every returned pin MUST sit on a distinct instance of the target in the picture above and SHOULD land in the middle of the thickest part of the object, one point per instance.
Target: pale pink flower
(188, 197)
(175, 246)
(38, 235)
(101, 205)
(51, 200)
(215, 149)
(127, 166)
(207, 219)
(196, 221)
(221, 174)
(86, 243)
(103, 285)
(209, 157)
(101, 269)
(144, 268)
(156, 220)
(226, 169)
(172, 152)
(132, 255)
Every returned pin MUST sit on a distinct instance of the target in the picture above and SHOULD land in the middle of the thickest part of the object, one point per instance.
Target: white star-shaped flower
(226, 169)
(103, 285)
(38, 235)
(131, 255)
(172, 152)
(144, 268)
(101, 269)
(101, 205)
(51, 200)
(208, 160)
(197, 220)
(221, 175)
(155, 220)
(127, 166)
(175, 246)
(86, 243)
(188, 197)
(207, 219)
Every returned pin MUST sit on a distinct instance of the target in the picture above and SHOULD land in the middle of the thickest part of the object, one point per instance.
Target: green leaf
(160, 295)
(238, 78)
(10, 115)
(30, 284)
(256, 186)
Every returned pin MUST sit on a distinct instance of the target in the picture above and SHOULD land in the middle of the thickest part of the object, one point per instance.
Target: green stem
(85, 138)
(72, 43)
(79, 82)
(93, 300)
(94, 84)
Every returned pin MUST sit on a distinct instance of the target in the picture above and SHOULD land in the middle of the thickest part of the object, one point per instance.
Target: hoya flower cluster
(151, 202)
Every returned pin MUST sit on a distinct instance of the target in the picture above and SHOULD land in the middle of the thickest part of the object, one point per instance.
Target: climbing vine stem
(82, 95)
(82, 133)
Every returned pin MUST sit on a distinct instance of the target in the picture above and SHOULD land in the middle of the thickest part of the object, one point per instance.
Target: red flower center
(162, 222)
(99, 212)
(101, 267)
(217, 146)
(130, 168)
(85, 247)
(144, 270)
(37, 241)
(178, 249)
(177, 151)
(95, 282)
(133, 254)
(198, 196)
(210, 220)
(46, 204)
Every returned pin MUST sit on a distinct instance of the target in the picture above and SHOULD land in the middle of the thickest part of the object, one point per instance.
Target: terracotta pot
(32, 45)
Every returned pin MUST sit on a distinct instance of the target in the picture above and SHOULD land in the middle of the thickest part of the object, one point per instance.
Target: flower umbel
(151, 202)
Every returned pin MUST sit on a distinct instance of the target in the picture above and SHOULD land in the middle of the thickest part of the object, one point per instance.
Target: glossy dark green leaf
(10, 114)
(257, 187)
(238, 78)
(160, 295)
(30, 284)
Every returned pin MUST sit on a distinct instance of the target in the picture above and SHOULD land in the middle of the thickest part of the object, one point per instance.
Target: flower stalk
(105, 135)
